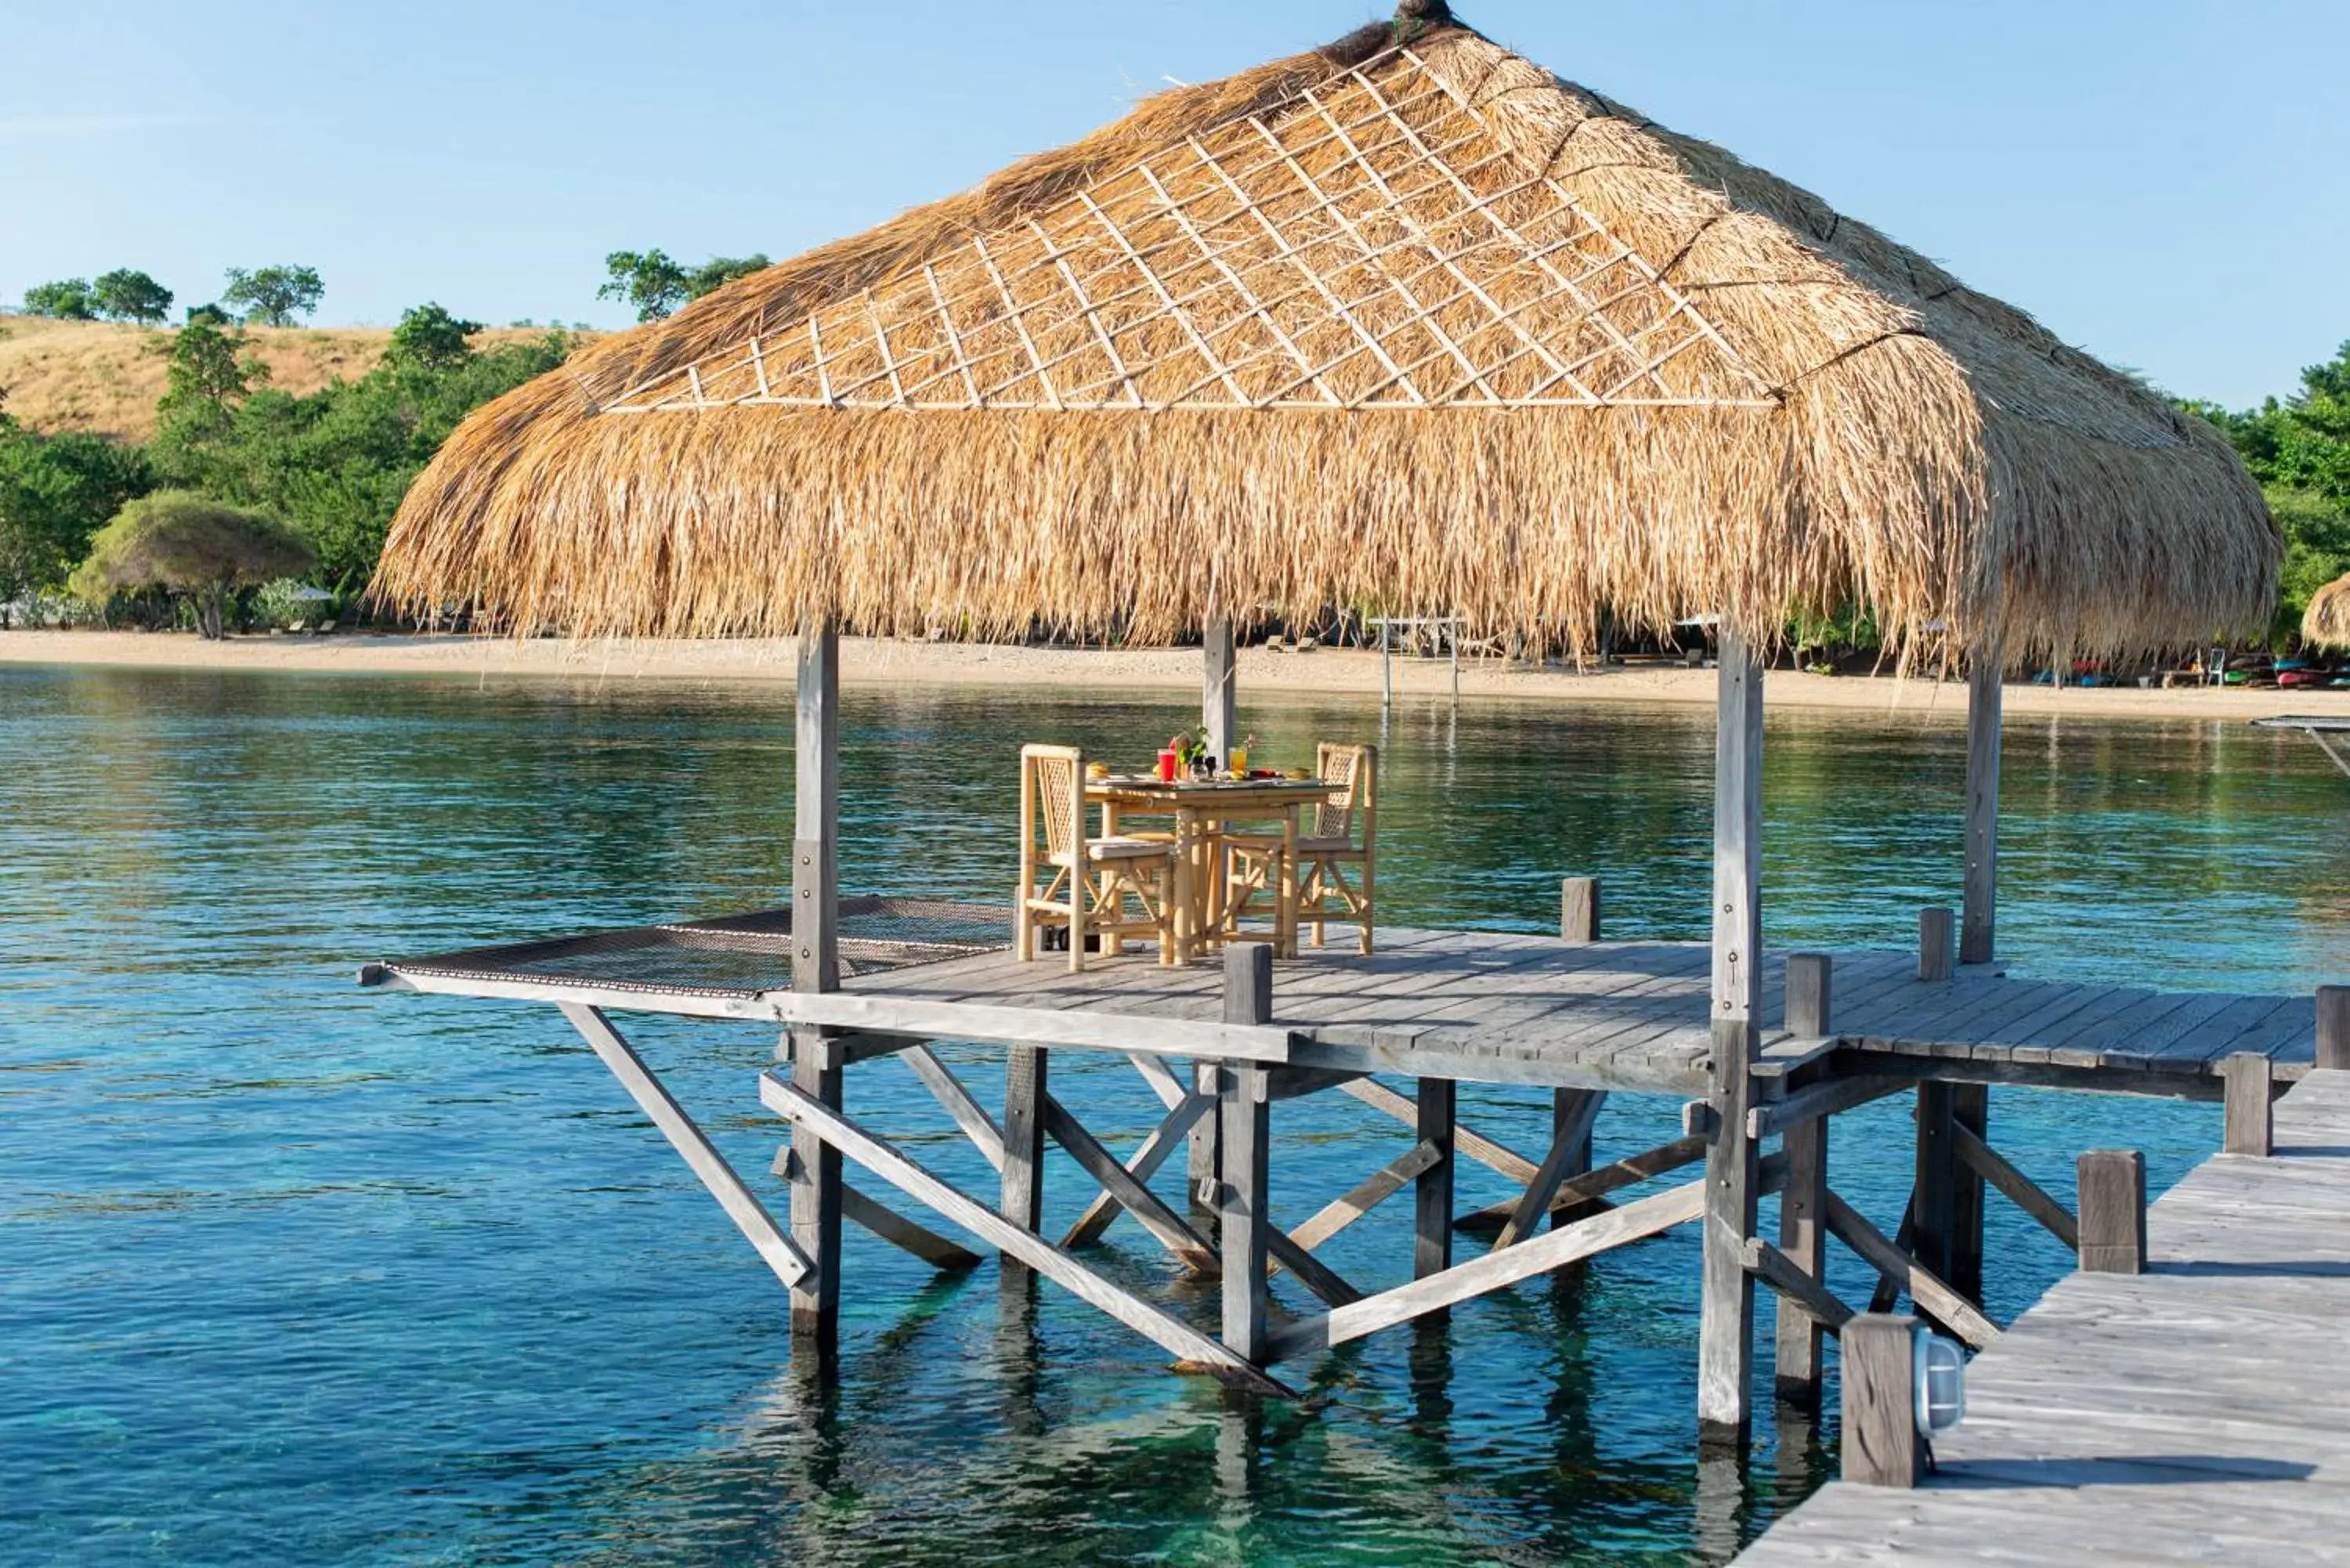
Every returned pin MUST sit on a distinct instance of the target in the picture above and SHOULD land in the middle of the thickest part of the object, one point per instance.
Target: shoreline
(1325, 671)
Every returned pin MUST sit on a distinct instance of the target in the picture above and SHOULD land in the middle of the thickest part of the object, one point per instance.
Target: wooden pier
(2189, 1414)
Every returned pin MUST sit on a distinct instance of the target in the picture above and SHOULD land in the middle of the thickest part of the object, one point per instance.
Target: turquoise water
(293, 1274)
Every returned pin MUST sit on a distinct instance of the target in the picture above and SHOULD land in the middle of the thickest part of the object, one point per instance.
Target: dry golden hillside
(99, 376)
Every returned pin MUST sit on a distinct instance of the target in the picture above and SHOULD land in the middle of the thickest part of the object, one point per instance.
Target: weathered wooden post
(1810, 1013)
(1881, 1445)
(1244, 1107)
(1578, 910)
(2334, 1027)
(1025, 1085)
(1386, 670)
(815, 1166)
(1935, 1196)
(1970, 1110)
(2249, 1122)
(1726, 1322)
(1934, 944)
(1431, 1229)
(1979, 930)
(2113, 1212)
(1219, 691)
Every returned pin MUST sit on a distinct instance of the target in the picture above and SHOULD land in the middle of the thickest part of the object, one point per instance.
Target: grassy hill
(102, 377)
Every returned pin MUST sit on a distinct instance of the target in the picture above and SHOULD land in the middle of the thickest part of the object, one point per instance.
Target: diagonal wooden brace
(1196, 1352)
(750, 1216)
(1165, 1138)
(1133, 1196)
(1535, 1201)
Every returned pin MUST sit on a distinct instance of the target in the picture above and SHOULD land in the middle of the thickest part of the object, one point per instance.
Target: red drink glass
(1167, 766)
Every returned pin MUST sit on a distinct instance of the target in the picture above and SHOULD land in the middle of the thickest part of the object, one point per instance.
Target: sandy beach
(872, 662)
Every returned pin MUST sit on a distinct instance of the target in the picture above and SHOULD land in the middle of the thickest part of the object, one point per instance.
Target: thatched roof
(2326, 623)
(1405, 322)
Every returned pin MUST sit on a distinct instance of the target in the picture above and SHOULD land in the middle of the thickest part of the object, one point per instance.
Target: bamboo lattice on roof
(1407, 322)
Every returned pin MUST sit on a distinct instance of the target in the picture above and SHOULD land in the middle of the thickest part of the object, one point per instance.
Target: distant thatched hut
(2327, 624)
(1406, 320)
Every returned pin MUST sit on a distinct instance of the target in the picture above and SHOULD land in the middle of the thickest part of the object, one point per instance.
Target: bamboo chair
(1088, 880)
(1327, 843)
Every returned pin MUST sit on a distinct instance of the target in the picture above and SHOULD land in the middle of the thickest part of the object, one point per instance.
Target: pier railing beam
(1803, 1232)
(1979, 930)
(2113, 1212)
(816, 1176)
(2250, 1079)
(1881, 1445)
(1245, 1108)
(1726, 1323)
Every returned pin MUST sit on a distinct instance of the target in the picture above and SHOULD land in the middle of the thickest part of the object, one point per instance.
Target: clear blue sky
(2159, 181)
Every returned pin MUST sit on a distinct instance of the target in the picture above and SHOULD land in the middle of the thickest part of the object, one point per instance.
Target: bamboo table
(1202, 807)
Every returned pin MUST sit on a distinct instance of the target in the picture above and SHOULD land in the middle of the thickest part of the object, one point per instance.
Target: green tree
(68, 299)
(55, 493)
(335, 464)
(720, 271)
(127, 295)
(2299, 449)
(657, 284)
(431, 338)
(210, 313)
(202, 549)
(273, 295)
(210, 374)
(650, 281)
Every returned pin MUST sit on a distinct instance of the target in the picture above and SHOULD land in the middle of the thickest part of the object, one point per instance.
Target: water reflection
(297, 1273)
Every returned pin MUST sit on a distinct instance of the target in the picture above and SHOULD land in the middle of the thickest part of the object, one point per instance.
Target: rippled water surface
(294, 1273)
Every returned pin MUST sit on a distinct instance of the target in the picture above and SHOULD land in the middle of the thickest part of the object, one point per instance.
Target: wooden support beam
(876, 1012)
(1830, 1097)
(1203, 1166)
(2334, 1027)
(1935, 955)
(1570, 1143)
(1726, 1319)
(1799, 1291)
(2113, 1212)
(1022, 1190)
(1881, 1445)
(1161, 1077)
(1197, 1351)
(1931, 1293)
(895, 1228)
(1578, 910)
(790, 1263)
(1969, 1117)
(1296, 1082)
(1978, 927)
(1164, 1140)
(1243, 1220)
(1312, 1272)
(1484, 1150)
(1489, 1272)
(2249, 1124)
(1802, 1249)
(1147, 1209)
(956, 1100)
(1576, 1111)
(1365, 1196)
(1934, 1203)
(1218, 689)
(1888, 1288)
(1627, 1172)
(1989, 1165)
(1431, 1225)
(816, 1185)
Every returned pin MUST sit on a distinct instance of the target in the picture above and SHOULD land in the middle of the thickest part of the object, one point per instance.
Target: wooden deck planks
(2189, 1414)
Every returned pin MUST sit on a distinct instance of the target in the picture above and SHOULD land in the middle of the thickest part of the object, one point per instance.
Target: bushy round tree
(195, 547)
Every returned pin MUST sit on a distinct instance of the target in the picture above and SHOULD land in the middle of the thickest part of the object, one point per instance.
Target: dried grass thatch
(2326, 622)
(1407, 321)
